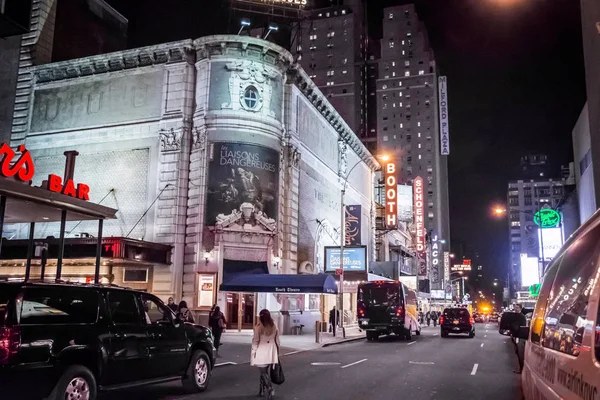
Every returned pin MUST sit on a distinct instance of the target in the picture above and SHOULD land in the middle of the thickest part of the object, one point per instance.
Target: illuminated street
(428, 367)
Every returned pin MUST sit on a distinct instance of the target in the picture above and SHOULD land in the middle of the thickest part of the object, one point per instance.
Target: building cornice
(309, 89)
(118, 61)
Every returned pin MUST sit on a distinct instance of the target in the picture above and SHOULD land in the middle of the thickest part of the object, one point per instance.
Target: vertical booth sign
(391, 196)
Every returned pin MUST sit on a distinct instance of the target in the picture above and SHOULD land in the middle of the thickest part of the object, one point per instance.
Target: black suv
(457, 320)
(62, 341)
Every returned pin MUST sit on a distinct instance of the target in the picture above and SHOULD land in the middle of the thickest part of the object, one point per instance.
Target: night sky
(515, 83)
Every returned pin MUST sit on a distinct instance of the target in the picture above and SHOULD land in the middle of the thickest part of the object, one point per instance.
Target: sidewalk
(235, 346)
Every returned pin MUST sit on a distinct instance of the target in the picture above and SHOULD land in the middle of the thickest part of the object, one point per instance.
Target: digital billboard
(529, 270)
(355, 258)
(241, 173)
(550, 240)
(409, 281)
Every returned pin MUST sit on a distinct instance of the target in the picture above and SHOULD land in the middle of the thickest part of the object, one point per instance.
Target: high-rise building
(534, 166)
(407, 116)
(331, 49)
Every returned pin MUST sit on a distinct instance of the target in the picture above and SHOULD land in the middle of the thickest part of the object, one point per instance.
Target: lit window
(391, 16)
(408, 34)
(418, 124)
(429, 169)
(400, 104)
(419, 145)
(393, 74)
(419, 134)
(385, 138)
(403, 52)
(344, 72)
(419, 156)
(345, 61)
(403, 42)
(251, 97)
(331, 34)
(313, 76)
(406, 63)
(393, 63)
(421, 72)
(406, 73)
(391, 44)
(327, 14)
(394, 105)
(401, 125)
(320, 14)
(343, 12)
(515, 223)
(384, 87)
(400, 83)
(399, 94)
(430, 215)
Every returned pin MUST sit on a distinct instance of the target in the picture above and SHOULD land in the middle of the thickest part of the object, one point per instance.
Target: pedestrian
(217, 323)
(519, 344)
(171, 304)
(428, 317)
(265, 351)
(334, 317)
(434, 318)
(184, 313)
(421, 316)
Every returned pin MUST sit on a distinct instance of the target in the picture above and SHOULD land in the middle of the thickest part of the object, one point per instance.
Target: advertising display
(529, 270)
(547, 218)
(550, 240)
(437, 294)
(405, 203)
(280, 3)
(409, 281)
(444, 122)
(435, 259)
(355, 258)
(391, 196)
(419, 214)
(241, 173)
(352, 230)
(206, 290)
(447, 267)
(461, 267)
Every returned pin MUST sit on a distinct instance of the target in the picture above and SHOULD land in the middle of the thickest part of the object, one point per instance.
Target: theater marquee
(419, 210)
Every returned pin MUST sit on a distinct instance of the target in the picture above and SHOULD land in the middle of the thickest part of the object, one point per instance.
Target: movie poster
(241, 173)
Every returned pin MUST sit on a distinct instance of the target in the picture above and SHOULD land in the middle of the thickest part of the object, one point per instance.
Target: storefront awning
(284, 283)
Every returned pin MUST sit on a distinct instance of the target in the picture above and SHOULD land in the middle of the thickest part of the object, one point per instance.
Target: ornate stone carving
(342, 160)
(246, 219)
(294, 156)
(249, 86)
(170, 139)
(199, 136)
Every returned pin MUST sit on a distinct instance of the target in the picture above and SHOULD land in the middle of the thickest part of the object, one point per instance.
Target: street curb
(344, 341)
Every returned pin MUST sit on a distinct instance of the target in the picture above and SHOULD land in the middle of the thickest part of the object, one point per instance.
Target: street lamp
(342, 239)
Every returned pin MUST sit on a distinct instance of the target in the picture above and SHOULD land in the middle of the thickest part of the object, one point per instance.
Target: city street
(428, 367)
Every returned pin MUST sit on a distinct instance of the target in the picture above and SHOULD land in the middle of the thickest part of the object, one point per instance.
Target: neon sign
(22, 169)
(80, 192)
(547, 218)
(418, 209)
(391, 196)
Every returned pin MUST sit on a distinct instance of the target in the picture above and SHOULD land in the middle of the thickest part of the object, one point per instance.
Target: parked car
(494, 317)
(478, 317)
(62, 341)
(457, 320)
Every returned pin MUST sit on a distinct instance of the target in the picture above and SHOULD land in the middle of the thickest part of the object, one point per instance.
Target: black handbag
(276, 373)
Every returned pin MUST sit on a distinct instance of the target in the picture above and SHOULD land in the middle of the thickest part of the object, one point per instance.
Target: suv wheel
(472, 334)
(76, 383)
(198, 373)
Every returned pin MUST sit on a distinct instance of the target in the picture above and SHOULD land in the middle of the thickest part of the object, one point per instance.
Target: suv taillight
(10, 340)
(441, 320)
(361, 310)
(399, 311)
(471, 320)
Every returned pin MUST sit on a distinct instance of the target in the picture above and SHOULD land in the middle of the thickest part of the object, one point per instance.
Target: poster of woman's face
(241, 173)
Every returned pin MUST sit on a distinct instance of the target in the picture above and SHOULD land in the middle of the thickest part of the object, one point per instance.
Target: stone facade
(178, 113)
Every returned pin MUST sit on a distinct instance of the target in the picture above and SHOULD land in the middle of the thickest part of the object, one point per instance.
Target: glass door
(248, 311)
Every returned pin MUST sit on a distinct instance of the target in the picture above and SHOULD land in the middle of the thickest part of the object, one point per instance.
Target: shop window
(206, 290)
(567, 307)
(135, 275)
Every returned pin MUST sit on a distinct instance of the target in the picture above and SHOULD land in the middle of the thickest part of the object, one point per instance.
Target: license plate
(456, 329)
(455, 322)
(364, 321)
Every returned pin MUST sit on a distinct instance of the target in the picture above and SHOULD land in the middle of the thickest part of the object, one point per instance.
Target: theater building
(221, 148)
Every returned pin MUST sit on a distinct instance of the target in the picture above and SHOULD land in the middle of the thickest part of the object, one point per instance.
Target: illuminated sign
(418, 210)
(355, 258)
(466, 261)
(529, 270)
(391, 196)
(550, 241)
(547, 218)
(534, 290)
(444, 123)
(446, 265)
(461, 267)
(435, 259)
(283, 3)
(22, 169)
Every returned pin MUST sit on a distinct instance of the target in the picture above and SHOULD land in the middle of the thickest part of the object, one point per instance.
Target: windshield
(455, 313)
(379, 296)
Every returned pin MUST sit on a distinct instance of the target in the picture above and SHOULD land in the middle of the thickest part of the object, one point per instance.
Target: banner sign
(355, 258)
(461, 267)
(444, 123)
(391, 196)
(352, 230)
(435, 259)
(241, 173)
(405, 203)
(419, 210)
(422, 266)
(446, 265)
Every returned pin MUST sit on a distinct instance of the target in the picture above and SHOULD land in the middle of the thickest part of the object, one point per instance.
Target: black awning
(283, 283)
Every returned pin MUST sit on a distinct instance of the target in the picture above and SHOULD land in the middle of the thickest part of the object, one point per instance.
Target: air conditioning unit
(306, 268)
(14, 17)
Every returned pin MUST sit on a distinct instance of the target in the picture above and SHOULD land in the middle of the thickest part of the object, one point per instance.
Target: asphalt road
(428, 367)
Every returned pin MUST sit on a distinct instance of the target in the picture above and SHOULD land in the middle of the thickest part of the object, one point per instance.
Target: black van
(62, 341)
(386, 307)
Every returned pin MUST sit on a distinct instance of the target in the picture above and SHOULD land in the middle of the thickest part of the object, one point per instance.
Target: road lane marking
(225, 363)
(474, 369)
(435, 334)
(354, 363)
(420, 363)
(481, 344)
(408, 344)
(484, 335)
(325, 363)
(294, 352)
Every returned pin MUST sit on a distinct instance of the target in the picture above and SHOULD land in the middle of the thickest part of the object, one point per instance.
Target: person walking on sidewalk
(428, 317)
(265, 351)
(434, 318)
(334, 318)
(519, 344)
(184, 313)
(171, 304)
(217, 324)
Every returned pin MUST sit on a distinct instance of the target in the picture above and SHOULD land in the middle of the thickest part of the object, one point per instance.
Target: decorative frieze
(170, 139)
(199, 137)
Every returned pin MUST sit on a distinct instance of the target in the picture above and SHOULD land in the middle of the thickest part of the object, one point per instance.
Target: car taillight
(10, 339)
(441, 320)
(471, 320)
(361, 310)
(399, 311)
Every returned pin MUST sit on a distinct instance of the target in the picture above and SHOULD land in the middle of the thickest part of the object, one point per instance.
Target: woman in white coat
(265, 351)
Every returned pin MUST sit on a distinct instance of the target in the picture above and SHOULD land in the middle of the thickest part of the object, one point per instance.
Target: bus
(387, 307)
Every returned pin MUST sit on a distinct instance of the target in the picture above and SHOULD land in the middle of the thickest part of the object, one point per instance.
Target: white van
(562, 355)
